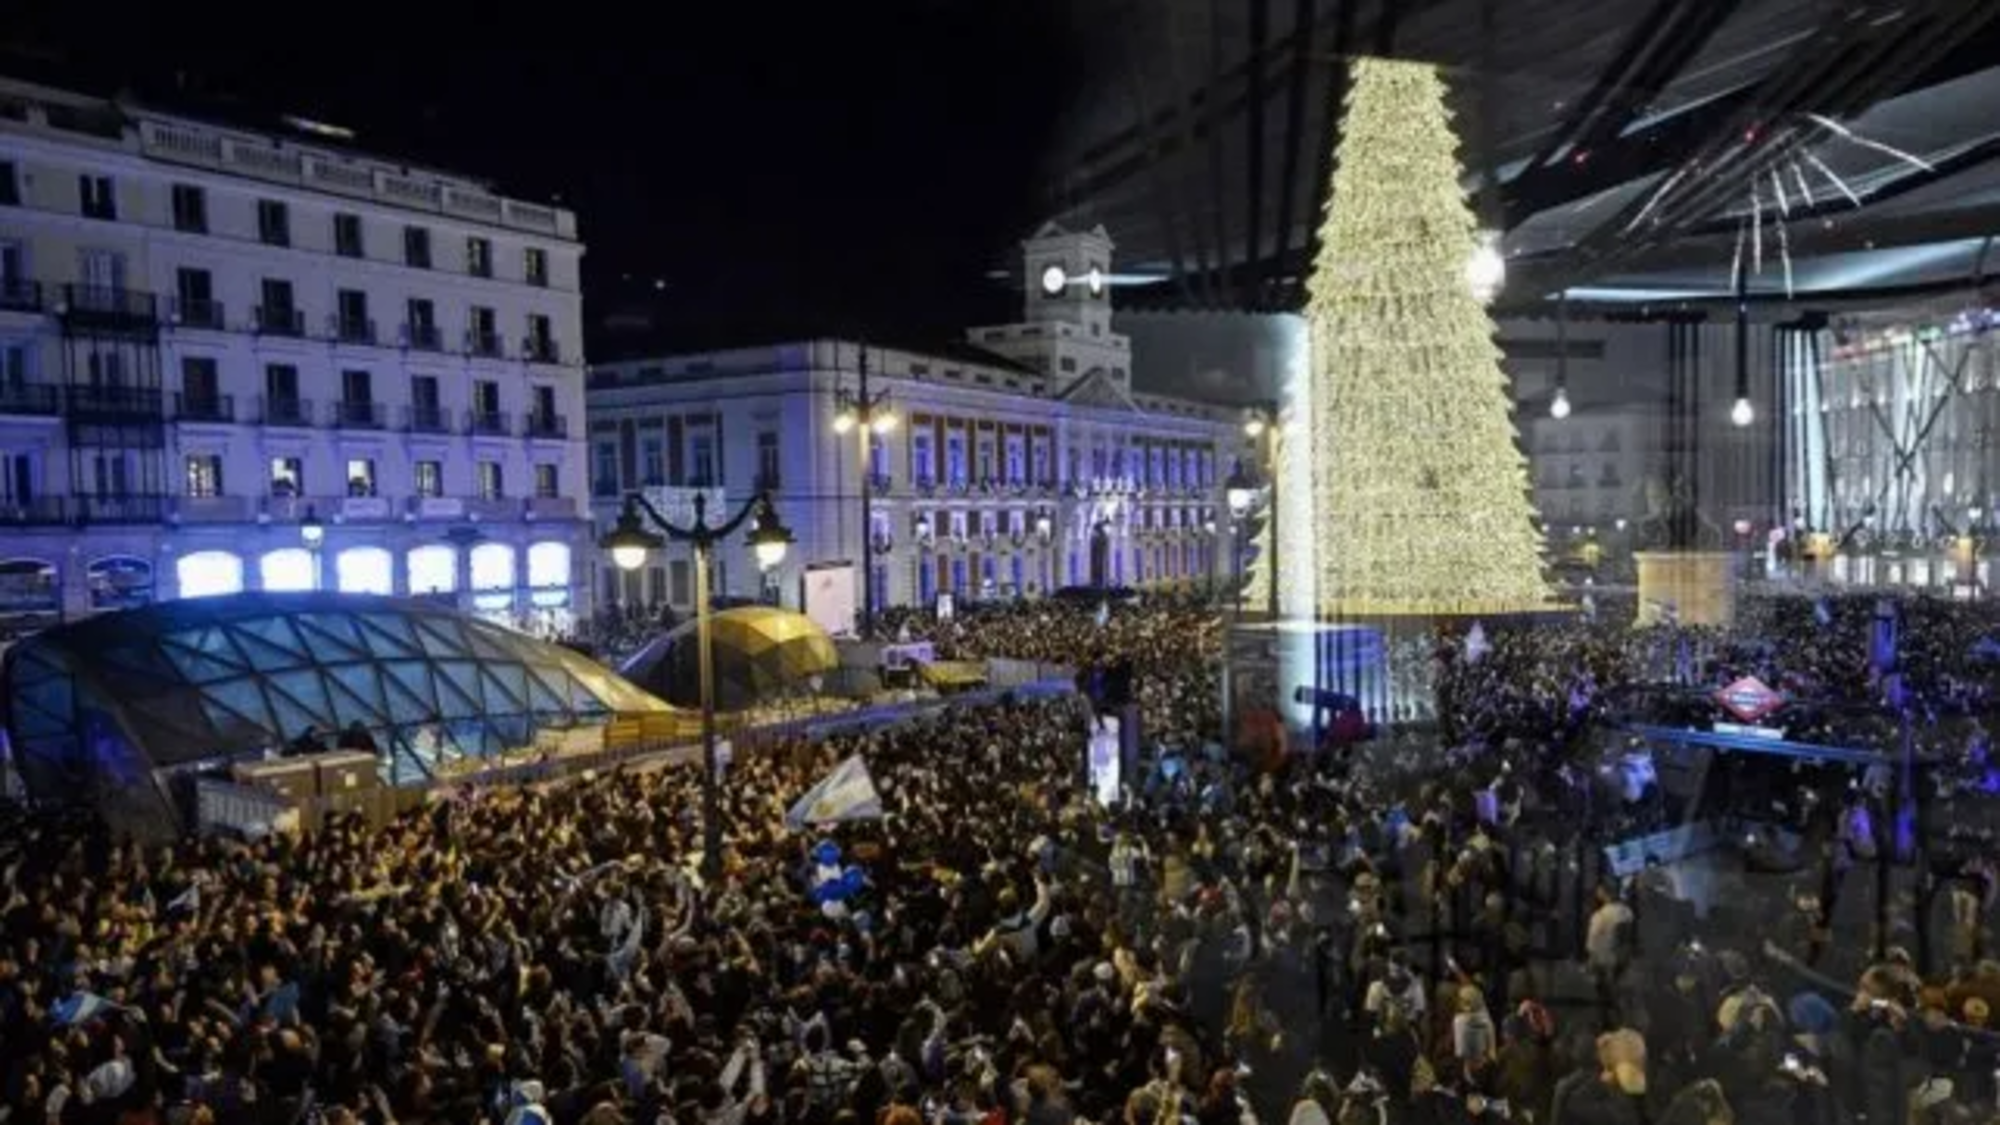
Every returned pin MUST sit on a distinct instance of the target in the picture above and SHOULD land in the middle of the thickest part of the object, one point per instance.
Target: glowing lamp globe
(1559, 406)
(882, 422)
(628, 557)
(1486, 270)
(843, 422)
(769, 538)
(1742, 414)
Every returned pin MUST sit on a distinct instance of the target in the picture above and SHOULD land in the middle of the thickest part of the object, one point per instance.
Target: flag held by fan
(848, 793)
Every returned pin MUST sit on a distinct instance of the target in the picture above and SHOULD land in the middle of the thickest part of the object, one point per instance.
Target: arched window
(492, 567)
(286, 570)
(548, 565)
(433, 569)
(120, 582)
(29, 586)
(365, 570)
(205, 574)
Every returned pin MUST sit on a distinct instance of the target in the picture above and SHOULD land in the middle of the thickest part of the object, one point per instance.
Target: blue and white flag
(81, 1007)
(848, 793)
(189, 899)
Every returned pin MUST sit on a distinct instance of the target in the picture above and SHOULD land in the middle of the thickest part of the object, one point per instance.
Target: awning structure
(760, 653)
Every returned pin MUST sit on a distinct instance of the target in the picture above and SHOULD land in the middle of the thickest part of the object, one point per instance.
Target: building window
(10, 184)
(541, 338)
(478, 257)
(274, 223)
(701, 461)
(492, 486)
(535, 265)
(347, 235)
(652, 460)
(204, 574)
(1066, 364)
(361, 476)
(287, 570)
(767, 459)
(604, 478)
(190, 209)
(954, 459)
(97, 197)
(417, 247)
(204, 474)
(547, 486)
(364, 570)
(678, 575)
(288, 476)
(656, 585)
(483, 333)
(352, 321)
(920, 460)
(433, 569)
(430, 478)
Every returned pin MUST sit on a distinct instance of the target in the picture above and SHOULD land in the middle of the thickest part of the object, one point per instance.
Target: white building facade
(212, 336)
(1016, 465)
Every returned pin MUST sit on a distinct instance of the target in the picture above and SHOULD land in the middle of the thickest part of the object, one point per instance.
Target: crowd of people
(1412, 930)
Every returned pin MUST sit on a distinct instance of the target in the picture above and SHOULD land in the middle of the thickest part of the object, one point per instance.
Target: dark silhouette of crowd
(1411, 930)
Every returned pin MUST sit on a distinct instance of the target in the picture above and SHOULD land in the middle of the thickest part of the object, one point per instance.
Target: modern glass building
(109, 709)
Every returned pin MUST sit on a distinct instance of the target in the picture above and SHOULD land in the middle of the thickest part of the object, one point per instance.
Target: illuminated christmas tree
(1421, 503)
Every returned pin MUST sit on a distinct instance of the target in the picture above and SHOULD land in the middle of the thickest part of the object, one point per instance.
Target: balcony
(109, 306)
(190, 312)
(18, 294)
(136, 403)
(539, 349)
(490, 423)
(34, 511)
(550, 508)
(540, 425)
(495, 509)
(280, 320)
(366, 509)
(285, 411)
(423, 337)
(29, 398)
(486, 344)
(882, 484)
(212, 509)
(435, 508)
(353, 329)
(204, 407)
(426, 418)
(353, 415)
(120, 509)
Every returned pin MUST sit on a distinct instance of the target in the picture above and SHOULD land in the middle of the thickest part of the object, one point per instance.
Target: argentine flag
(848, 793)
(81, 1007)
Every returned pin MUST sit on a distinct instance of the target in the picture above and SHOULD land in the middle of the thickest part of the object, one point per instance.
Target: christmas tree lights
(1421, 503)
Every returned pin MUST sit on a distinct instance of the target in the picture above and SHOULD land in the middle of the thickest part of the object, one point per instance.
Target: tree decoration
(1421, 492)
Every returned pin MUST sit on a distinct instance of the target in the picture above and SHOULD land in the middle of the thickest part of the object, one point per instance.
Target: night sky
(783, 167)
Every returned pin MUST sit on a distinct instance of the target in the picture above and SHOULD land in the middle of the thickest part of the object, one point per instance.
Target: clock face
(1096, 280)
(1054, 280)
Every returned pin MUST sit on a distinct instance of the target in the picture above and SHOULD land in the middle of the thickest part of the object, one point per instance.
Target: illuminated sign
(1749, 699)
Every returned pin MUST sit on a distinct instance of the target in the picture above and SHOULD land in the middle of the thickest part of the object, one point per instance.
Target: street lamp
(631, 541)
(870, 415)
(1265, 429)
(1239, 491)
(312, 532)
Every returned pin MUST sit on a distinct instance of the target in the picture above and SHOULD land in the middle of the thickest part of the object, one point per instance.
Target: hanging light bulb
(1486, 270)
(1743, 413)
(1559, 405)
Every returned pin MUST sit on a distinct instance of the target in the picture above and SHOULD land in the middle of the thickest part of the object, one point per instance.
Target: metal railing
(280, 320)
(110, 303)
(539, 349)
(350, 414)
(545, 425)
(18, 294)
(426, 418)
(194, 312)
(33, 511)
(121, 509)
(492, 422)
(354, 329)
(125, 401)
(423, 337)
(485, 344)
(29, 398)
(285, 411)
(204, 407)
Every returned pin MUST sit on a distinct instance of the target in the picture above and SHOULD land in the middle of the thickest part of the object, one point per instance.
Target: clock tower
(1066, 275)
(1066, 304)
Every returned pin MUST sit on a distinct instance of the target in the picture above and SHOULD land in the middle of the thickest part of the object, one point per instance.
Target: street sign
(1749, 699)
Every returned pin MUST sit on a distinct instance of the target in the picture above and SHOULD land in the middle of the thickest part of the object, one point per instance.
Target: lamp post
(1045, 531)
(869, 416)
(312, 533)
(1239, 491)
(1265, 430)
(630, 542)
